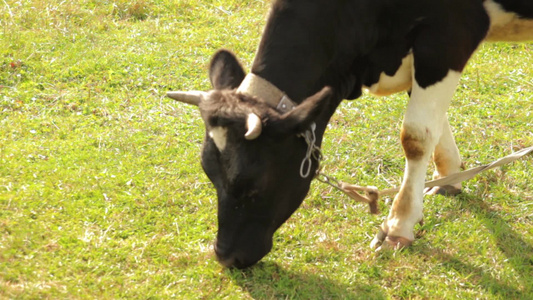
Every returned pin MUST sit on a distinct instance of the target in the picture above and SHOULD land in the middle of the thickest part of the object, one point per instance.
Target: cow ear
(225, 71)
(300, 118)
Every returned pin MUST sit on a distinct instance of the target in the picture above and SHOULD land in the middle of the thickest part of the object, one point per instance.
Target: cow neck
(261, 88)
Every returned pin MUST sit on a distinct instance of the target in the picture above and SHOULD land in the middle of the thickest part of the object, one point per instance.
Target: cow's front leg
(421, 131)
(447, 162)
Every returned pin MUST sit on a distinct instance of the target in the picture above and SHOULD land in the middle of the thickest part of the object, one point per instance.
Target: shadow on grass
(476, 276)
(519, 254)
(268, 280)
(518, 251)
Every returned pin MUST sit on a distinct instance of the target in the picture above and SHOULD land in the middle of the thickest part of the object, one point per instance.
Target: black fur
(225, 72)
(348, 44)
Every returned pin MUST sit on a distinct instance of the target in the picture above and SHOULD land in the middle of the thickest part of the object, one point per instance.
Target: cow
(262, 128)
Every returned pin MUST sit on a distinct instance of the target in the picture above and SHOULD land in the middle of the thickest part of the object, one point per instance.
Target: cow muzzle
(240, 259)
(224, 257)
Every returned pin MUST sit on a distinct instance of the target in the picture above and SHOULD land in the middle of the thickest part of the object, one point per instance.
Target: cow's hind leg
(447, 161)
(421, 131)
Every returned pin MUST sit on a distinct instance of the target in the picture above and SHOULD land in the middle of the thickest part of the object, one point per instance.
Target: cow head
(252, 154)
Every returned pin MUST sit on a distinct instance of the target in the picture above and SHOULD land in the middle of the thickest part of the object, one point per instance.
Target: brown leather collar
(256, 86)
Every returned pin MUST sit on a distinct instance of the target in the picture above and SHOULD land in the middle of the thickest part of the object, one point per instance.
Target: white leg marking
(446, 158)
(421, 130)
(219, 135)
(446, 155)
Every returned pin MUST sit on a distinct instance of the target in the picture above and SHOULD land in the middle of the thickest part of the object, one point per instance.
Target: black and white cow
(313, 54)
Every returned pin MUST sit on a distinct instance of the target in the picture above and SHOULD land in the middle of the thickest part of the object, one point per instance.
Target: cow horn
(254, 127)
(192, 97)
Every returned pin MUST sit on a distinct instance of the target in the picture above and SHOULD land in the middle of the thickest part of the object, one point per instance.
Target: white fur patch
(399, 82)
(428, 106)
(220, 136)
(507, 26)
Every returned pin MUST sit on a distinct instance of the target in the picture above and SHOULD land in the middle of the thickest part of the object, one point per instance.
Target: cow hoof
(391, 242)
(381, 240)
(446, 190)
(397, 242)
(378, 240)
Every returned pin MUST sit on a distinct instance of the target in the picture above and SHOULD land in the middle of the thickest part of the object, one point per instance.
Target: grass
(102, 194)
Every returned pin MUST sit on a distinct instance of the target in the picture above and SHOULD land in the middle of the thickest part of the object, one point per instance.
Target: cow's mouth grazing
(230, 260)
(240, 259)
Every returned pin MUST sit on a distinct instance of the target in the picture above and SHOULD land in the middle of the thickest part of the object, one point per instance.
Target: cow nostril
(227, 262)
(229, 259)
(221, 251)
(224, 256)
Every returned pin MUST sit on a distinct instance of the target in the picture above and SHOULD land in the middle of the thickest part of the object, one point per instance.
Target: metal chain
(313, 151)
(332, 181)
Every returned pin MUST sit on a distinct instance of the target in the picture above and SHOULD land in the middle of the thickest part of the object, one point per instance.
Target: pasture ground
(102, 194)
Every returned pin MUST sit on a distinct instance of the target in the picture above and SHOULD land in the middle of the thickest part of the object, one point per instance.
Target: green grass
(102, 194)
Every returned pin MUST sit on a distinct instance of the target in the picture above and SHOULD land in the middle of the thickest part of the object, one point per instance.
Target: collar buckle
(285, 105)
